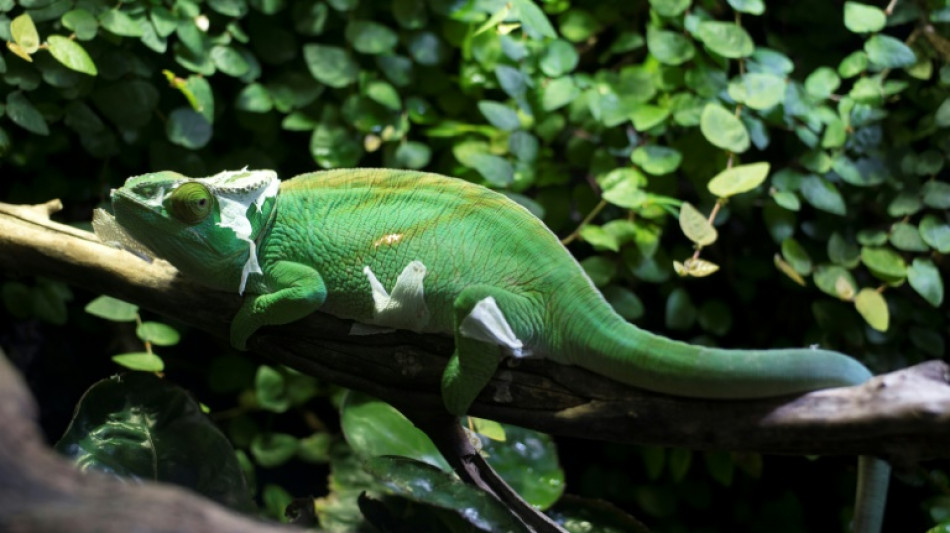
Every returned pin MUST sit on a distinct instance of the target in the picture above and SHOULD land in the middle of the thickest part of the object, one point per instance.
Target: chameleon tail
(611, 346)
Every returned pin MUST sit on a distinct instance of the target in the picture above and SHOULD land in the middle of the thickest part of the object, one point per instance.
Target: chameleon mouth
(105, 226)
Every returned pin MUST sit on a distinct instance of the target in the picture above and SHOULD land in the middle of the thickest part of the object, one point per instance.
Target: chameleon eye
(190, 203)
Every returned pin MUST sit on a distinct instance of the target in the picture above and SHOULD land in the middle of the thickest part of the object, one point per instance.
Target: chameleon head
(206, 227)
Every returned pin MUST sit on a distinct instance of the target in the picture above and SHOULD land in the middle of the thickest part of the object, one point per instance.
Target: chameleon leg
(297, 290)
(483, 336)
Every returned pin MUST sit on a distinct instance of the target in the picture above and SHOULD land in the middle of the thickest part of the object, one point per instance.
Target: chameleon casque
(394, 249)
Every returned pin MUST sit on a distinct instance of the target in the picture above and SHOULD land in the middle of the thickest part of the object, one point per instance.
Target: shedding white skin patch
(403, 308)
(487, 323)
(235, 192)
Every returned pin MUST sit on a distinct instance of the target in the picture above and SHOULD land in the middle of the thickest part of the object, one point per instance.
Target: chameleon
(408, 250)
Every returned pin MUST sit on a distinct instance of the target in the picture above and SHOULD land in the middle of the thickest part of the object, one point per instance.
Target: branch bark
(903, 416)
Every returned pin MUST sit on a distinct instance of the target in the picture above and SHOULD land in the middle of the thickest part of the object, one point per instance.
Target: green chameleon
(394, 249)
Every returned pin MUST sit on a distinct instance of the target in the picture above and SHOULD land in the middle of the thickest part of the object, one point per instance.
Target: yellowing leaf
(844, 288)
(695, 226)
(738, 179)
(697, 268)
(24, 33)
(489, 428)
(18, 50)
(872, 306)
(787, 269)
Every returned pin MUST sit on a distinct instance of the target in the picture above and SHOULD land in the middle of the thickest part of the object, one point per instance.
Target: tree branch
(902, 416)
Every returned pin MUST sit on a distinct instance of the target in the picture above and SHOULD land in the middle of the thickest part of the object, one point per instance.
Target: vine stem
(590, 216)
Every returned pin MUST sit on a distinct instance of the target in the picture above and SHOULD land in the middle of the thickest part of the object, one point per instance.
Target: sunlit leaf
(696, 226)
(872, 306)
(738, 179)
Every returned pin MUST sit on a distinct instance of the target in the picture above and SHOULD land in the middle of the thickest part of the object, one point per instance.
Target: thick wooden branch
(903, 416)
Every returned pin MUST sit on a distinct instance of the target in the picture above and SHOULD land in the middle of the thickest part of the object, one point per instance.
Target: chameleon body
(394, 249)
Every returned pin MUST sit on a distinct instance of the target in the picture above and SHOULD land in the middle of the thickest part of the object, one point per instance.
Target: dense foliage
(729, 173)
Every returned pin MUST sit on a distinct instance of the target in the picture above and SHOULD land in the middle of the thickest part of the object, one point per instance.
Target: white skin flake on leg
(487, 323)
(405, 306)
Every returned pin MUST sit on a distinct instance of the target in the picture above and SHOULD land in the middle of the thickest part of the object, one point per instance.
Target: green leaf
(24, 33)
(656, 160)
(254, 98)
(670, 8)
(797, 257)
(715, 317)
(330, 65)
(370, 37)
(601, 270)
(752, 7)
(558, 93)
(621, 187)
(822, 194)
(884, 263)
(862, 18)
(696, 226)
(935, 233)
(138, 426)
(427, 49)
(535, 22)
(270, 389)
(121, 23)
(412, 154)
(723, 129)
(669, 48)
(229, 61)
(528, 461)
(787, 200)
(112, 309)
(141, 361)
(188, 128)
(822, 83)
(925, 278)
(646, 116)
(157, 333)
(835, 281)
(853, 64)
(680, 312)
(624, 301)
(906, 237)
(598, 238)
(758, 90)
(23, 114)
(887, 52)
(558, 58)
(384, 94)
(578, 25)
(410, 14)
(428, 486)
(495, 169)
(872, 306)
(273, 449)
(500, 115)
(373, 428)
(739, 179)
(936, 194)
(727, 39)
(71, 54)
(334, 147)
(942, 116)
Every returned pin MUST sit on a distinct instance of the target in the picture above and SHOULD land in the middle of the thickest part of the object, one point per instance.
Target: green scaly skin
(443, 251)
